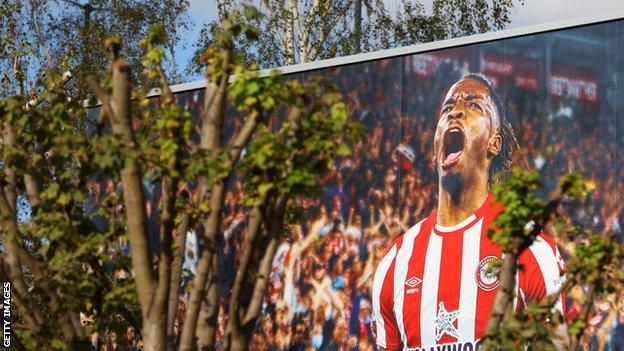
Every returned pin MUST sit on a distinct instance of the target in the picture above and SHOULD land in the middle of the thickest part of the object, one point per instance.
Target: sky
(532, 12)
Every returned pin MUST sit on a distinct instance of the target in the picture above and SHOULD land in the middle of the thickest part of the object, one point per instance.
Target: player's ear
(494, 145)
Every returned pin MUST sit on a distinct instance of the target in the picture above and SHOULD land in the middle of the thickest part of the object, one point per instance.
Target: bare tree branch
(31, 314)
(289, 53)
(208, 322)
(214, 100)
(259, 290)
(132, 183)
(176, 275)
(326, 30)
(198, 286)
(158, 310)
(211, 226)
(279, 33)
(47, 286)
(212, 123)
(261, 284)
(10, 189)
(575, 342)
(32, 186)
(255, 223)
(40, 37)
(102, 95)
(295, 21)
(306, 43)
(504, 295)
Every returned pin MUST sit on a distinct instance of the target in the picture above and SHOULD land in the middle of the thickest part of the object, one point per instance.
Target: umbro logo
(412, 283)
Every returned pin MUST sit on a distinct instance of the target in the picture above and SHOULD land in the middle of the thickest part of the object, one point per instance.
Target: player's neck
(456, 203)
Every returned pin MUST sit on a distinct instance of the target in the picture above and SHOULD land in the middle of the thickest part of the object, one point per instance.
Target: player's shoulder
(409, 235)
(544, 242)
(543, 251)
(413, 232)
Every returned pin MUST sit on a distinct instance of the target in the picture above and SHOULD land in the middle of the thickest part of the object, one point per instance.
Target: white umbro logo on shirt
(412, 283)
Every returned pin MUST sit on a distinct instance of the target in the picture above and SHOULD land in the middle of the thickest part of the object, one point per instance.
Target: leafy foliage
(302, 31)
(43, 35)
(72, 250)
(593, 265)
(534, 326)
(513, 228)
(290, 160)
(74, 257)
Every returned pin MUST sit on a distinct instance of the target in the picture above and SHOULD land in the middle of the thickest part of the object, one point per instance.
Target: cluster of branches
(71, 278)
(309, 30)
(43, 35)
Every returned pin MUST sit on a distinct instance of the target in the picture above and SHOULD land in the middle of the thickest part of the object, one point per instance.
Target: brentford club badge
(487, 273)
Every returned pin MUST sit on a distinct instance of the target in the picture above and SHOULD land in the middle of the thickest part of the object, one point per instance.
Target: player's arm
(374, 227)
(543, 277)
(387, 335)
(367, 272)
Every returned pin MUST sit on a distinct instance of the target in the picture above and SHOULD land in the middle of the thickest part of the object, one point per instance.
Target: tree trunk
(357, 25)
(176, 276)
(153, 333)
(159, 306)
(154, 311)
(212, 122)
(208, 314)
(131, 180)
(198, 286)
(237, 328)
(261, 284)
(585, 315)
(8, 138)
(289, 54)
(239, 342)
(504, 294)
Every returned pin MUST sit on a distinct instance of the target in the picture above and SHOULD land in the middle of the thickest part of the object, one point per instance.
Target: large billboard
(561, 93)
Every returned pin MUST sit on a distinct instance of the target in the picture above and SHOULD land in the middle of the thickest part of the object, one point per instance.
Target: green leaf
(343, 150)
(264, 188)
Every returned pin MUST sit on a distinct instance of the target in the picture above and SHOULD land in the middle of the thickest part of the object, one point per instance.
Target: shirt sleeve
(543, 272)
(387, 333)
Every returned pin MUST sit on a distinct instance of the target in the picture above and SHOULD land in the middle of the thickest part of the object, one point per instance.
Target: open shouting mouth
(453, 146)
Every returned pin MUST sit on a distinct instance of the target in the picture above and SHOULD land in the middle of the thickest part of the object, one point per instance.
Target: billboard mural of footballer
(433, 286)
(394, 254)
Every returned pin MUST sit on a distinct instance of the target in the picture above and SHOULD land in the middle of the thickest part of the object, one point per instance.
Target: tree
(82, 24)
(69, 262)
(42, 35)
(304, 31)
(595, 264)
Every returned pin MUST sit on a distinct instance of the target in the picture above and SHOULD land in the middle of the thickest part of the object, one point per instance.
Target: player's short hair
(503, 161)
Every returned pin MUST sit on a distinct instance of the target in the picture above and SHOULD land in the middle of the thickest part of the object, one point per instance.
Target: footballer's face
(467, 134)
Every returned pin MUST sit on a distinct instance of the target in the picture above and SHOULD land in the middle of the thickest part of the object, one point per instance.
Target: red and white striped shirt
(434, 285)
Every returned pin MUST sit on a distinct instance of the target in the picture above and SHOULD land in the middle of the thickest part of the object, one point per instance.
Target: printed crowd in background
(319, 292)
